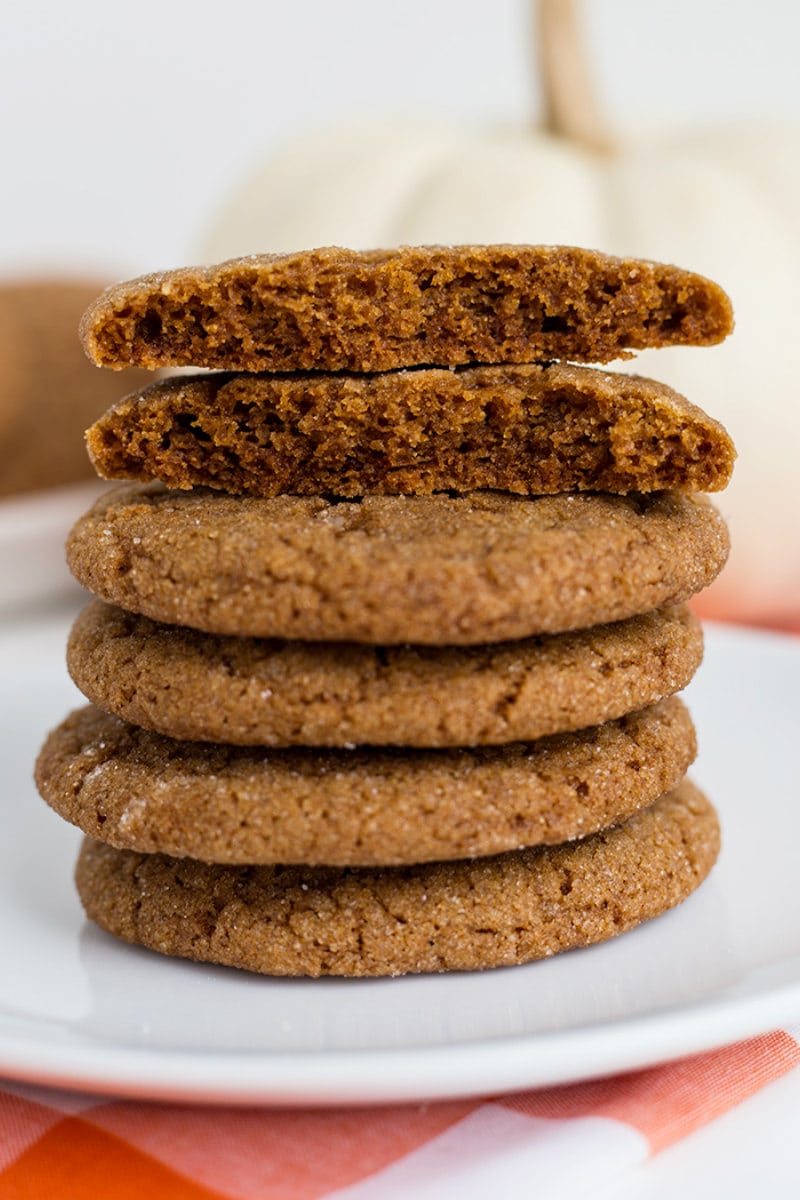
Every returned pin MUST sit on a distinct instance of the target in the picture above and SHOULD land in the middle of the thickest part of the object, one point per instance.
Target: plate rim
(362, 1076)
(394, 1074)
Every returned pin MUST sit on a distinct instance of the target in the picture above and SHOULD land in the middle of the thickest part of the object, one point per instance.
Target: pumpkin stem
(570, 106)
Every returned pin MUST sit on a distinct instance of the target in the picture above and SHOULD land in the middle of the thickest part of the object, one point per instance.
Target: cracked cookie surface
(251, 691)
(496, 911)
(139, 790)
(440, 570)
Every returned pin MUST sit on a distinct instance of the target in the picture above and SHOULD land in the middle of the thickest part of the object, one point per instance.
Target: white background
(125, 126)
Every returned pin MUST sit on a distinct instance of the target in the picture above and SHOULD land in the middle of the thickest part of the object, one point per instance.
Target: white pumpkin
(724, 202)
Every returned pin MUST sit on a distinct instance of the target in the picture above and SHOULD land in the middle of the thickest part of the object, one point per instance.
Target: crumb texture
(465, 915)
(337, 309)
(525, 429)
(217, 803)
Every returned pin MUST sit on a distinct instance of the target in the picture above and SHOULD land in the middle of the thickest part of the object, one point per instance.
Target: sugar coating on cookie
(523, 429)
(496, 911)
(139, 790)
(253, 691)
(436, 570)
(337, 309)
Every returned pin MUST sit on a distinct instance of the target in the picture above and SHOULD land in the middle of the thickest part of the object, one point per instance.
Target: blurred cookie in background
(49, 392)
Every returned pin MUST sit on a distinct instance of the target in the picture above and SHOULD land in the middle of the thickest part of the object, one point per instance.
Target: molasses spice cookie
(336, 309)
(490, 912)
(252, 691)
(141, 791)
(524, 429)
(438, 570)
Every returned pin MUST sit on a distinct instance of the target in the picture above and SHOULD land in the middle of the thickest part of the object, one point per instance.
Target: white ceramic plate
(79, 1009)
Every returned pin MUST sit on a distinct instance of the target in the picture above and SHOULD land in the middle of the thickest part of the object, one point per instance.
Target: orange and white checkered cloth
(578, 1137)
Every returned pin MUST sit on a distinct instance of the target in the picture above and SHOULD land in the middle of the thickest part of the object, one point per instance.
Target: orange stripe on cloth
(278, 1154)
(76, 1161)
(668, 1102)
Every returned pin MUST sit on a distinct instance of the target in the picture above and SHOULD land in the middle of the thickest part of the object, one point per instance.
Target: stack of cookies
(384, 654)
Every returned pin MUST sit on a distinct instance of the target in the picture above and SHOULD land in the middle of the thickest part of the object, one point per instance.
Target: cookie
(438, 570)
(497, 911)
(524, 429)
(336, 309)
(48, 391)
(138, 790)
(250, 691)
